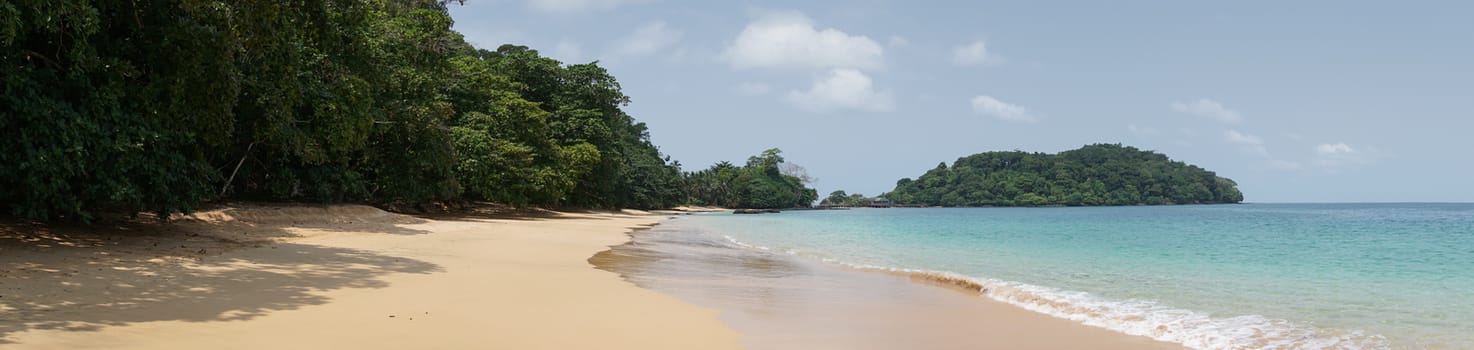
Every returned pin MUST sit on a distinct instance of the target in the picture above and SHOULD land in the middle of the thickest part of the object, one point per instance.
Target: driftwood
(237, 169)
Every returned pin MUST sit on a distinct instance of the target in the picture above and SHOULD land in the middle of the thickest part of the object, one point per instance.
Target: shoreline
(1084, 269)
(780, 301)
(295, 276)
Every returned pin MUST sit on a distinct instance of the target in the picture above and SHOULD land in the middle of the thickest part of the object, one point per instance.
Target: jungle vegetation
(840, 198)
(1100, 174)
(159, 105)
(765, 182)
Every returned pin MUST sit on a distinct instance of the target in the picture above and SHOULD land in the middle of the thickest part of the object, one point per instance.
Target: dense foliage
(1102, 174)
(158, 105)
(842, 199)
(535, 132)
(761, 183)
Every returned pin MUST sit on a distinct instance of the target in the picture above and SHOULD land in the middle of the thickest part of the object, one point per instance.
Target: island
(1098, 174)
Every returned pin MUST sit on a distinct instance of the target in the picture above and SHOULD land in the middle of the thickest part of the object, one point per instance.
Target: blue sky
(1299, 101)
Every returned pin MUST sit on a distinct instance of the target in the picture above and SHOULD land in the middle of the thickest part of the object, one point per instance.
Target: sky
(1298, 101)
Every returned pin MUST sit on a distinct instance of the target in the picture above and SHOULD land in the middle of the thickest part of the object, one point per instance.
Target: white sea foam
(1193, 329)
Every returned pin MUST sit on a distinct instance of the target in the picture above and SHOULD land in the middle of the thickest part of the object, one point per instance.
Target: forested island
(1099, 174)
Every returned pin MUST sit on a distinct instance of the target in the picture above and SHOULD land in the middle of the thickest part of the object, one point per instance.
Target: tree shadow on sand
(86, 279)
(492, 211)
(259, 221)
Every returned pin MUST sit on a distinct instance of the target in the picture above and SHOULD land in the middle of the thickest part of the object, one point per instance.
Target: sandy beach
(350, 277)
(292, 277)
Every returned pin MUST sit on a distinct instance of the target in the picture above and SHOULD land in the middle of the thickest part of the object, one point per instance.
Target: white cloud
(842, 89)
(753, 88)
(989, 106)
(1246, 141)
(973, 54)
(1333, 157)
(649, 39)
(575, 6)
(1143, 131)
(1329, 149)
(1329, 157)
(1255, 145)
(790, 39)
(1210, 109)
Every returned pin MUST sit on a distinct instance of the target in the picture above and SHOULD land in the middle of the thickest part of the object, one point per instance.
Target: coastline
(779, 301)
(339, 276)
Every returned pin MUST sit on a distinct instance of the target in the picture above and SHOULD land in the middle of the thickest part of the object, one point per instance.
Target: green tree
(761, 183)
(1102, 174)
(837, 198)
(158, 105)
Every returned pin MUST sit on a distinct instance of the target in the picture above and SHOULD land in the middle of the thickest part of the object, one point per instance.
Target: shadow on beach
(85, 278)
(491, 211)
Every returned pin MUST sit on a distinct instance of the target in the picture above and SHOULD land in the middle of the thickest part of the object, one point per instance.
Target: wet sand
(778, 301)
(339, 277)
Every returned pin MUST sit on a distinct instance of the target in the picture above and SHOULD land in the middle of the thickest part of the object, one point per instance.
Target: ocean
(1309, 276)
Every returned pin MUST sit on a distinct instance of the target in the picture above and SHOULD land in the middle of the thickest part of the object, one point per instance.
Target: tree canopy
(841, 199)
(760, 184)
(159, 105)
(1100, 174)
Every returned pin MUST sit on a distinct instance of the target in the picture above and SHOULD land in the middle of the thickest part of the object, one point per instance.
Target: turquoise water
(1228, 276)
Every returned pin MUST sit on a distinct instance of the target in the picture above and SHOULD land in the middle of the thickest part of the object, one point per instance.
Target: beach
(258, 276)
(351, 277)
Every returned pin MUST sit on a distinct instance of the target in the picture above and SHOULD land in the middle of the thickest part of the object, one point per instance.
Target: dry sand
(349, 277)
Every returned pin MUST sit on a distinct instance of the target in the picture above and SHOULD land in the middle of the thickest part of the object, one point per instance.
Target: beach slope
(354, 277)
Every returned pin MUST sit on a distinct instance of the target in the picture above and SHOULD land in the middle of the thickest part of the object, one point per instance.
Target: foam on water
(1369, 276)
(1193, 329)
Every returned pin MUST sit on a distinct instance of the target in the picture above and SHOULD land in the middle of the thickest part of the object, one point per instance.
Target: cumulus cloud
(649, 39)
(989, 106)
(1333, 149)
(972, 54)
(842, 89)
(791, 39)
(575, 6)
(1334, 157)
(1210, 109)
(1248, 142)
(1328, 157)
